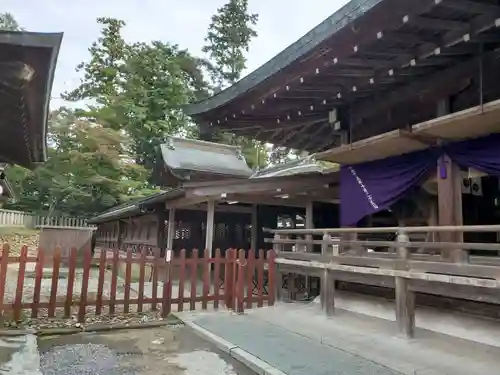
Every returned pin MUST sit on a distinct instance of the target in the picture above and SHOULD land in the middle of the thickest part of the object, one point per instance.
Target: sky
(184, 22)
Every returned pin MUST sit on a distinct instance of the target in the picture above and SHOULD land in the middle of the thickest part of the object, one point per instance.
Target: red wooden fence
(233, 279)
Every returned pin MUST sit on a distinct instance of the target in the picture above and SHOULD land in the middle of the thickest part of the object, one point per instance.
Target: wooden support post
(278, 284)
(405, 298)
(449, 179)
(309, 224)
(277, 247)
(160, 236)
(450, 205)
(309, 246)
(209, 238)
(120, 235)
(170, 229)
(327, 293)
(255, 228)
(405, 307)
(327, 289)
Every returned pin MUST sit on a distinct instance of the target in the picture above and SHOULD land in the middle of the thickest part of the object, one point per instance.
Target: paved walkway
(297, 339)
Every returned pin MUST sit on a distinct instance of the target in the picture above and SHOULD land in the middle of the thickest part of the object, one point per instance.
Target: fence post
(4, 262)
(405, 298)
(240, 281)
(228, 279)
(272, 271)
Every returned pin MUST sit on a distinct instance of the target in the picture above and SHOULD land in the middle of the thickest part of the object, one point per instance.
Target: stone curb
(255, 364)
(92, 328)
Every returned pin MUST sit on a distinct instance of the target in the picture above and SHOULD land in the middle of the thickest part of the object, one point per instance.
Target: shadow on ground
(159, 351)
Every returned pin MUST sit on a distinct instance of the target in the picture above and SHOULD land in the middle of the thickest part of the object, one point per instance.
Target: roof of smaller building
(188, 160)
(135, 206)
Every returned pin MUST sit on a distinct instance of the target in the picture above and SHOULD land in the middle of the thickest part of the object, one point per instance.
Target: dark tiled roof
(325, 30)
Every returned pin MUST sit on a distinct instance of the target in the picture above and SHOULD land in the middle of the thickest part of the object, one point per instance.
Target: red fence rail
(81, 285)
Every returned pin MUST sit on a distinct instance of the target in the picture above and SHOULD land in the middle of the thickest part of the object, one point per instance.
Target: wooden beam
(269, 123)
(267, 201)
(255, 186)
(469, 6)
(435, 23)
(365, 62)
(232, 208)
(405, 38)
(185, 202)
(368, 108)
(414, 275)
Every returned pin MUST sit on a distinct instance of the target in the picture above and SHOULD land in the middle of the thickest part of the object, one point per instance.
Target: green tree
(228, 39)
(139, 88)
(88, 170)
(227, 42)
(9, 23)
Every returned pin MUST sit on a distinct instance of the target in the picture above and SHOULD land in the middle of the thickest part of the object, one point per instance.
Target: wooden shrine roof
(467, 124)
(191, 160)
(27, 64)
(370, 61)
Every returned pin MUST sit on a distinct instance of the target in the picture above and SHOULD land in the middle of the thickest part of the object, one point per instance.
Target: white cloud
(281, 22)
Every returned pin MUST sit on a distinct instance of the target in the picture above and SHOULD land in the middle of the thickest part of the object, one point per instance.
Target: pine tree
(228, 39)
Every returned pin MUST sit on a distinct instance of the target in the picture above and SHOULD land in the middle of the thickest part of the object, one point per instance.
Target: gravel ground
(62, 285)
(160, 351)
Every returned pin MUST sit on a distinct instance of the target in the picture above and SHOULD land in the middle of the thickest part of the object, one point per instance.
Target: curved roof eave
(134, 207)
(338, 20)
(38, 40)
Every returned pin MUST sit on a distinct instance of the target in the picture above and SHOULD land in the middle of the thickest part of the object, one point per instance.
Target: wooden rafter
(438, 24)
(469, 6)
(430, 83)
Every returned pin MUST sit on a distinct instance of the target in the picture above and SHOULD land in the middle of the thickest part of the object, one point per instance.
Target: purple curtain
(482, 154)
(374, 186)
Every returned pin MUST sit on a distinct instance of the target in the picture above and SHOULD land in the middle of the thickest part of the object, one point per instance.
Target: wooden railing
(397, 263)
(10, 218)
(64, 283)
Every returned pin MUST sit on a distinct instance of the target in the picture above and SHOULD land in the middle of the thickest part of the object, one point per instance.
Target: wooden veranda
(400, 273)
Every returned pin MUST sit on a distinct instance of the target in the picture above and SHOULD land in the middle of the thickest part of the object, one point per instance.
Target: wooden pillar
(405, 307)
(255, 229)
(309, 224)
(405, 298)
(209, 237)
(449, 181)
(160, 236)
(170, 229)
(279, 276)
(450, 205)
(119, 239)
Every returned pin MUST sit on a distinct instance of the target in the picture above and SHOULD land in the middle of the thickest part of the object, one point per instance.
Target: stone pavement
(19, 355)
(298, 339)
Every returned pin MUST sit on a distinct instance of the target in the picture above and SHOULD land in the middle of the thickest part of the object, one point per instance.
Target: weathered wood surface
(417, 275)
